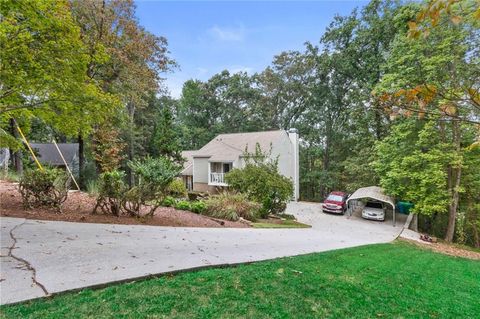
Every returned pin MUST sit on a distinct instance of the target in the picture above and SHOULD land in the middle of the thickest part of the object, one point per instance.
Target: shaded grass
(284, 224)
(9, 176)
(395, 280)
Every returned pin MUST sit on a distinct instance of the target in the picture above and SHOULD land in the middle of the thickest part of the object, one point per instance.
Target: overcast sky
(208, 37)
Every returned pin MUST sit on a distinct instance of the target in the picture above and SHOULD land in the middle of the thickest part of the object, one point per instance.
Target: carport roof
(373, 192)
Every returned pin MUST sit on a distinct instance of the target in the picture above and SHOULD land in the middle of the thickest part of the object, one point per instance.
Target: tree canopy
(389, 95)
(43, 68)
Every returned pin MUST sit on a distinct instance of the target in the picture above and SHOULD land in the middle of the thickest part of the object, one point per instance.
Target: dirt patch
(79, 206)
(447, 249)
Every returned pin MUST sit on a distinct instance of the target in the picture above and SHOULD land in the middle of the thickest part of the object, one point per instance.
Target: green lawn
(285, 224)
(380, 281)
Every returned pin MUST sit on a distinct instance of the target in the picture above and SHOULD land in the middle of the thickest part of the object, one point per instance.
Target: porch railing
(217, 178)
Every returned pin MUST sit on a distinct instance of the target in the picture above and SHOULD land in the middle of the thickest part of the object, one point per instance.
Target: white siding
(283, 149)
(286, 148)
(200, 170)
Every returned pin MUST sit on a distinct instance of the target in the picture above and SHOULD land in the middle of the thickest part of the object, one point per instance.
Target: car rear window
(374, 205)
(336, 198)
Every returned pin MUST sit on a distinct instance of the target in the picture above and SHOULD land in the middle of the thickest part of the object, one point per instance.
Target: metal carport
(373, 192)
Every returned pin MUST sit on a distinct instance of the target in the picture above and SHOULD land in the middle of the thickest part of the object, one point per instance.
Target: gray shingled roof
(188, 165)
(48, 154)
(229, 147)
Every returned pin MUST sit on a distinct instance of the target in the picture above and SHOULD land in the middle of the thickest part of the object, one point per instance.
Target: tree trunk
(81, 161)
(455, 178)
(452, 209)
(131, 113)
(378, 125)
(473, 219)
(326, 155)
(476, 238)
(16, 156)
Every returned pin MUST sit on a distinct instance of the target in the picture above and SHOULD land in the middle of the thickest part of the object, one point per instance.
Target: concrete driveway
(40, 258)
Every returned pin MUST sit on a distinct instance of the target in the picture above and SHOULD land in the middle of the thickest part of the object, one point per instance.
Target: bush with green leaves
(183, 205)
(177, 189)
(261, 182)
(198, 207)
(152, 177)
(47, 187)
(231, 206)
(111, 192)
(93, 187)
(169, 201)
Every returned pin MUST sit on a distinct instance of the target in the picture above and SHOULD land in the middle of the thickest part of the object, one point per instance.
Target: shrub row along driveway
(46, 257)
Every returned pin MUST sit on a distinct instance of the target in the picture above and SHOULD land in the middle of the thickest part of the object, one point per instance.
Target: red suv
(336, 202)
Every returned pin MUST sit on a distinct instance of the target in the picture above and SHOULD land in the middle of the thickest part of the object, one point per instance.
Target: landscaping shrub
(183, 205)
(93, 187)
(89, 174)
(231, 206)
(177, 189)
(262, 183)
(198, 207)
(47, 187)
(111, 192)
(152, 177)
(169, 201)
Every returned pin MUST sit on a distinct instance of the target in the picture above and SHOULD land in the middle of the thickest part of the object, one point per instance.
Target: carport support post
(394, 216)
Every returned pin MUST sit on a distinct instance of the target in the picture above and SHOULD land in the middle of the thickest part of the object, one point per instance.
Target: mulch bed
(447, 249)
(79, 206)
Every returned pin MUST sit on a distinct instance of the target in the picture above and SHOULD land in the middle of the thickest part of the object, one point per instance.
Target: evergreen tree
(164, 141)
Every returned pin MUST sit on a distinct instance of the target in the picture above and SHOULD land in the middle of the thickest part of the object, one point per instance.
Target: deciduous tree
(43, 69)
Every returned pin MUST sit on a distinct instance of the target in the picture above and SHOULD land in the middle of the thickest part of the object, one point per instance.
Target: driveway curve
(40, 258)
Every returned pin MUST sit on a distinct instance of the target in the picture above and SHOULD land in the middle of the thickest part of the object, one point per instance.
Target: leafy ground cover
(397, 280)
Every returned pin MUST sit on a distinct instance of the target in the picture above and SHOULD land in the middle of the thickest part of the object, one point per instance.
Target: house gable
(230, 148)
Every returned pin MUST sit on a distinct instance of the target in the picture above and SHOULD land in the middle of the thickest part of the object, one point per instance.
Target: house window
(227, 167)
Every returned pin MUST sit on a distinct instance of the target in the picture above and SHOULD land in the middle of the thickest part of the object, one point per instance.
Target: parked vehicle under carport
(374, 210)
(371, 193)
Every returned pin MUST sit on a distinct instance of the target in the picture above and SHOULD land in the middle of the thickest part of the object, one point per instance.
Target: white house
(205, 169)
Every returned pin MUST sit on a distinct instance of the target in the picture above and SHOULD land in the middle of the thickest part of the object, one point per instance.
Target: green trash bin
(404, 207)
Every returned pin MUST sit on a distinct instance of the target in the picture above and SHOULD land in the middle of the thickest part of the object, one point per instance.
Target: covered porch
(217, 172)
